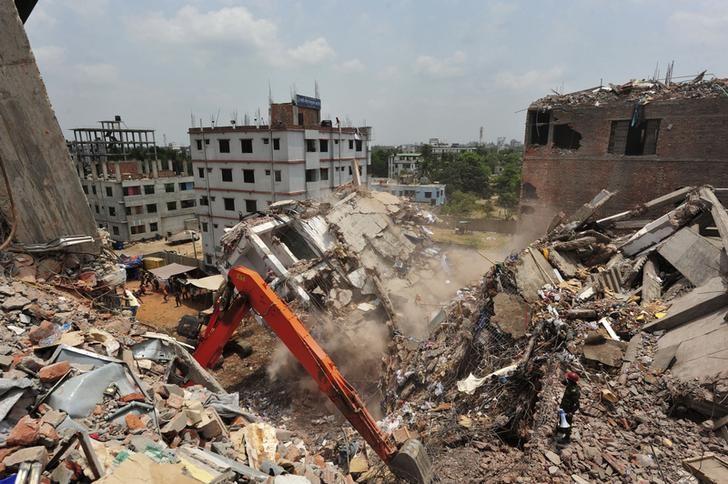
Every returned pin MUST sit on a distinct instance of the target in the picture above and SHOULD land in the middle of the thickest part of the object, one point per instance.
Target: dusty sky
(411, 69)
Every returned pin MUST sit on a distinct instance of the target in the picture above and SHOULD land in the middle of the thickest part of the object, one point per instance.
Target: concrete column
(105, 170)
(147, 170)
(155, 168)
(94, 173)
(117, 169)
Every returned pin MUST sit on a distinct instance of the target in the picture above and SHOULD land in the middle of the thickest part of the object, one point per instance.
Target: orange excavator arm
(410, 462)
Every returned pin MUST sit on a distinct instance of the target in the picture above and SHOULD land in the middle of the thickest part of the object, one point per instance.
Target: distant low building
(432, 193)
(131, 193)
(642, 138)
(404, 164)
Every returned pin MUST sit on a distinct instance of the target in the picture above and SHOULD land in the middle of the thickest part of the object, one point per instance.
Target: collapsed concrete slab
(703, 300)
(690, 253)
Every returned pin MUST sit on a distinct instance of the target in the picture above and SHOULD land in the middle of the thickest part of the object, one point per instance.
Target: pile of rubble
(88, 395)
(643, 91)
(637, 308)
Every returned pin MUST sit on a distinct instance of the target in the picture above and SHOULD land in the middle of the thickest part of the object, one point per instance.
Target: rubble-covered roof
(637, 90)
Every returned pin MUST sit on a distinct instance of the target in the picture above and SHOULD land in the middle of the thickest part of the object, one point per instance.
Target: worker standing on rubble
(569, 404)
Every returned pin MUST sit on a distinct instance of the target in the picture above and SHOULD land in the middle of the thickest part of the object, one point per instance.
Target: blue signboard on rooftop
(308, 102)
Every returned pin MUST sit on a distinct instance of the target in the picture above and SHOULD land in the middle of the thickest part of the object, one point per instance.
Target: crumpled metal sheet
(79, 395)
(153, 349)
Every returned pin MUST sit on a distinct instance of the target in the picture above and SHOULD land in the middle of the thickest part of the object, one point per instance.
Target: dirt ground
(164, 316)
(142, 248)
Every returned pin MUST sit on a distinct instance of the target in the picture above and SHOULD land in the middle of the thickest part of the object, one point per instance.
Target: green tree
(380, 160)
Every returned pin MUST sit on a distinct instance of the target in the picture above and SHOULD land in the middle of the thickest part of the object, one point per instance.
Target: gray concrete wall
(49, 201)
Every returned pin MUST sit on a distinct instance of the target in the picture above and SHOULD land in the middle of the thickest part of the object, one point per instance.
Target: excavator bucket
(412, 463)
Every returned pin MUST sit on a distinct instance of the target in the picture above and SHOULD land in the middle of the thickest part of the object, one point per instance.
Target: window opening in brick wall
(538, 127)
(566, 138)
(637, 140)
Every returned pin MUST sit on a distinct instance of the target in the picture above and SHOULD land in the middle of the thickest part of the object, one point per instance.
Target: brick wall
(287, 114)
(691, 149)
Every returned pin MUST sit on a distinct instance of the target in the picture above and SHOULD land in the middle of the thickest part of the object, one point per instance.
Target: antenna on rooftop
(270, 94)
(668, 73)
(246, 120)
(657, 71)
(316, 90)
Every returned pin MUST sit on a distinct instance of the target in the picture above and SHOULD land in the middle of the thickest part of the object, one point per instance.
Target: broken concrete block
(176, 425)
(608, 352)
(132, 397)
(15, 302)
(260, 443)
(512, 314)
(24, 433)
(133, 422)
(691, 254)
(53, 417)
(211, 425)
(47, 435)
(54, 372)
(533, 272)
(28, 454)
(175, 401)
(43, 330)
(702, 300)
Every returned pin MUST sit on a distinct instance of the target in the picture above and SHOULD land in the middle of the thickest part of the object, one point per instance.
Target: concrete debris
(654, 371)
(73, 387)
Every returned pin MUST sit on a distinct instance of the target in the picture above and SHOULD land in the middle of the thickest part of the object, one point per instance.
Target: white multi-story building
(404, 164)
(239, 170)
(131, 193)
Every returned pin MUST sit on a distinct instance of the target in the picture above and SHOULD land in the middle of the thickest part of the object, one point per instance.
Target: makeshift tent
(211, 283)
(165, 272)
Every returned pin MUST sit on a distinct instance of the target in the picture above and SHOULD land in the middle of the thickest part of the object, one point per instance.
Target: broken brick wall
(690, 150)
(287, 115)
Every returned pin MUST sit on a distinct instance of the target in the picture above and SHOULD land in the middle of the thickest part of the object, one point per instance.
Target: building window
(311, 175)
(251, 206)
(138, 229)
(112, 211)
(203, 200)
(93, 189)
(311, 145)
(637, 140)
(324, 145)
(336, 141)
(428, 194)
(208, 258)
(129, 191)
(199, 144)
(153, 227)
(115, 230)
(538, 122)
(324, 174)
(248, 176)
(227, 174)
(152, 208)
(85, 189)
(350, 172)
(169, 187)
(97, 208)
(127, 210)
(186, 186)
(171, 205)
(267, 172)
(224, 145)
(207, 141)
(201, 172)
(358, 145)
(266, 141)
(229, 203)
(566, 138)
(276, 143)
(148, 189)
(109, 192)
(204, 226)
(300, 119)
(278, 175)
(246, 145)
(188, 203)
(351, 144)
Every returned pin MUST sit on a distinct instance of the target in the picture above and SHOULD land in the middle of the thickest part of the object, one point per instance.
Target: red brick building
(642, 138)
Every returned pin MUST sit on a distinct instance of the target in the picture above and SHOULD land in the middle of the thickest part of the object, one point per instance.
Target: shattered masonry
(641, 138)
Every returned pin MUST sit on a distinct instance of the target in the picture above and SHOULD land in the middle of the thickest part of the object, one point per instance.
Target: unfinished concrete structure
(642, 138)
(132, 193)
(48, 201)
(431, 193)
(239, 170)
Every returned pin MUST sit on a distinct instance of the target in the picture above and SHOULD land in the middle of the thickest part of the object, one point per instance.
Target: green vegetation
(485, 173)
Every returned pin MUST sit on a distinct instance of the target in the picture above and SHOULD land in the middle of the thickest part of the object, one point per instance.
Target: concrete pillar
(105, 170)
(94, 172)
(117, 169)
(146, 168)
(155, 168)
